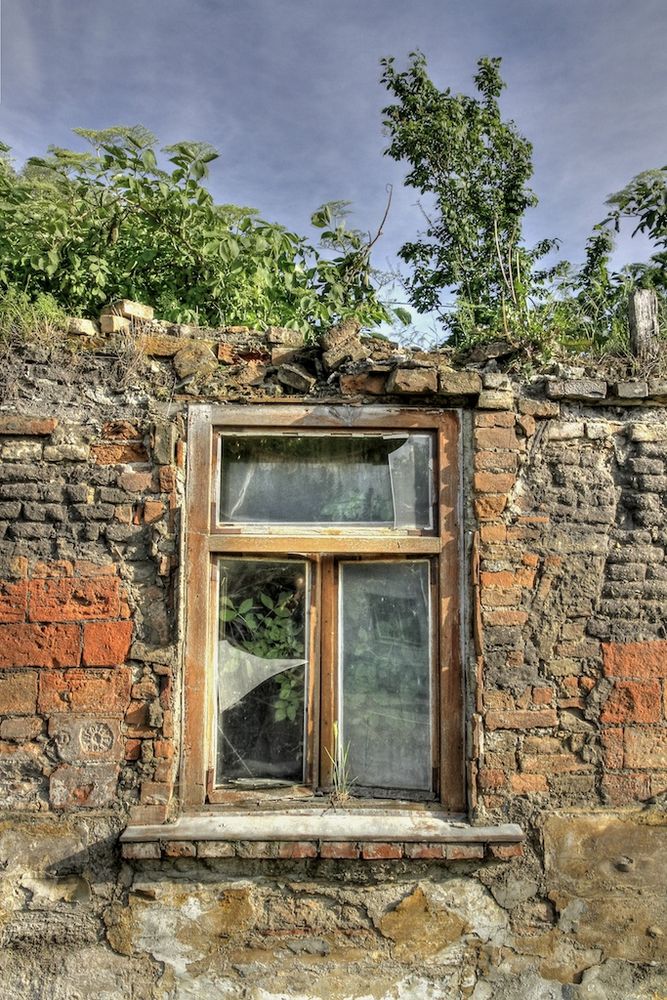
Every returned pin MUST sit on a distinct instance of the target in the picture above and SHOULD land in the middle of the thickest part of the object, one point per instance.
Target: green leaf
(266, 601)
(245, 606)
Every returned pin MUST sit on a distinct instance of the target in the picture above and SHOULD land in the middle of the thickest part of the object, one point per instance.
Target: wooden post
(643, 319)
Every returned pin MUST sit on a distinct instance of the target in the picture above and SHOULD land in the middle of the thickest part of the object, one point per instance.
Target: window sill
(380, 835)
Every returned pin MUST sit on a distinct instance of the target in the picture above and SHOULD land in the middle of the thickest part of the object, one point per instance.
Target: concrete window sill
(327, 834)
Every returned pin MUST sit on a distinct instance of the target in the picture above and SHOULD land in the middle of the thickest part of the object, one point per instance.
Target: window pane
(386, 674)
(378, 480)
(262, 642)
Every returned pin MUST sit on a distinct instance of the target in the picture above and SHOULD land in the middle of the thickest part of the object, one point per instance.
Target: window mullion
(328, 671)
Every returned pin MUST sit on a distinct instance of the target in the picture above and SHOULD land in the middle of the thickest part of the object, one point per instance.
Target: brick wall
(566, 684)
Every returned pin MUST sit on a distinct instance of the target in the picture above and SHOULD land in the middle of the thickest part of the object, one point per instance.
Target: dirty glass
(261, 670)
(385, 653)
(376, 480)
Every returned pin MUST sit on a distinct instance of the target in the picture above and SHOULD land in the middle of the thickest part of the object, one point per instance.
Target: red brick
(624, 789)
(80, 691)
(464, 852)
(164, 749)
(542, 695)
(494, 482)
(136, 482)
(132, 749)
(381, 852)
(106, 644)
(553, 763)
(543, 719)
(491, 778)
(527, 424)
(425, 851)
(635, 659)
(13, 601)
(39, 645)
(611, 741)
(493, 533)
(489, 507)
(18, 693)
(73, 600)
(499, 700)
(120, 430)
(297, 849)
(168, 479)
(504, 438)
(503, 852)
(505, 578)
(118, 454)
(339, 849)
(28, 427)
(524, 784)
(633, 701)
(25, 727)
(499, 418)
(153, 511)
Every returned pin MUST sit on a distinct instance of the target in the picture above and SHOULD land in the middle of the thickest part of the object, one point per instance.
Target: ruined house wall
(566, 665)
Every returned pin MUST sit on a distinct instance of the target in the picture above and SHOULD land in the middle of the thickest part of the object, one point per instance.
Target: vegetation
(85, 228)
(473, 169)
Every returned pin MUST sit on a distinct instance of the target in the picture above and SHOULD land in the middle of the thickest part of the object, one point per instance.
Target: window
(322, 629)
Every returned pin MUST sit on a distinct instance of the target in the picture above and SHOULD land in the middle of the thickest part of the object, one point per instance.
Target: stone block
(296, 377)
(91, 786)
(495, 399)
(284, 337)
(86, 738)
(631, 390)
(114, 324)
(20, 729)
(645, 747)
(647, 432)
(129, 309)
(150, 851)
(539, 408)
(413, 381)
(18, 693)
(78, 327)
(22, 451)
(195, 358)
(363, 384)
(159, 345)
(66, 453)
(459, 383)
(584, 389)
(566, 430)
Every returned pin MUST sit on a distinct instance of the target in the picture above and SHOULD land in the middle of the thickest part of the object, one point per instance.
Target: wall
(566, 677)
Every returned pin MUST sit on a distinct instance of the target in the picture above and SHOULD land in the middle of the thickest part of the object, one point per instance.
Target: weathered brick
(106, 644)
(103, 693)
(179, 849)
(215, 849)
(25, 727)
(409, 381)
(493, 482)
(553, 763)
(141, 852)
(526, 784)
(365, 383)
(489, 506)
(624, 789)
(297, 849)
(18, 693)
(22, 451)
(60, 600)
(381, 851)
(494, 438)
(497, 461)
(507, 578)
(464, 852)
(119, 454)
(504, 852)
(27, 426)
(633, 701)
(539, 719)
(13, 601)
(425, 851)
(66, 453)
(645, 748)
(153, 511)
(31, 645)
(136, 482)
(491, 778)
(339, 849)
(505, 617)
(90, 786)
(635, 659)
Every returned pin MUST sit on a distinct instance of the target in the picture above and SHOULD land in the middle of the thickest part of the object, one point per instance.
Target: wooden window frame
(323, 546)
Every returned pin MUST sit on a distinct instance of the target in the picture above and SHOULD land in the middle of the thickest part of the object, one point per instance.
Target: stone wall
(565, 530)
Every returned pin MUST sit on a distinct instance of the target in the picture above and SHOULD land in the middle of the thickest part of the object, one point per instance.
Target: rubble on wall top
(239, 361)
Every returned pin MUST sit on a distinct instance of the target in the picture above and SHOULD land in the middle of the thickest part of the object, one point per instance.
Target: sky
(288, 91)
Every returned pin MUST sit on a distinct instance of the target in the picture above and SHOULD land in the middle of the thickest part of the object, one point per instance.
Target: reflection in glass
(385, 655)
(377, 480)
(262, 641)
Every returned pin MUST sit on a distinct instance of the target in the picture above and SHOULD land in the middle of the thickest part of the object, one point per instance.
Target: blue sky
(288, 91)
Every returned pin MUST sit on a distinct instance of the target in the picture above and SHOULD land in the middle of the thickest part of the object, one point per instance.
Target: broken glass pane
(375, 480)
(385, 652)
(262, 642)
